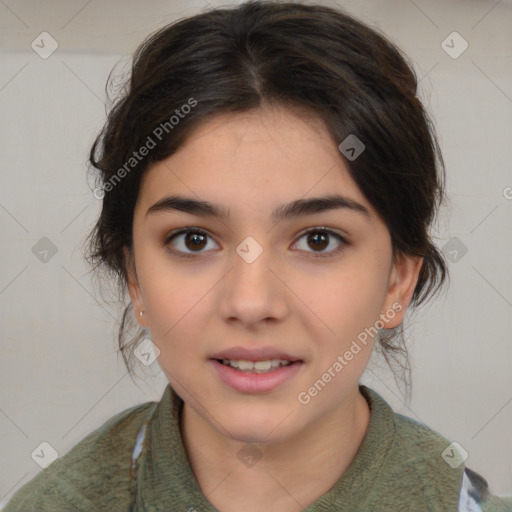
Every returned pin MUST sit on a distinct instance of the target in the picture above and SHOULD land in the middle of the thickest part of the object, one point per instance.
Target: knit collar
(165, 477)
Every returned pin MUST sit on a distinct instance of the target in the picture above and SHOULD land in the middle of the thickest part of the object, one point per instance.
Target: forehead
(263, 156)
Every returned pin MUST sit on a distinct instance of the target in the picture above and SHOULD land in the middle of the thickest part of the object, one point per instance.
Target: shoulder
(414, 468)
(438, 464)
(422, 443)
(93, 475)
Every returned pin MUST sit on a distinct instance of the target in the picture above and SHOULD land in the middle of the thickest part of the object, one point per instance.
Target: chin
(251, 436)
(255, 427)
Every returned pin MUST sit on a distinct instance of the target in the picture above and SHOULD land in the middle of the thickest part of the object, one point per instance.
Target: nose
(251, 292)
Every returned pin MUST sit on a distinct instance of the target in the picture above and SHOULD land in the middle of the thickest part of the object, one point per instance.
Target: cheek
(347, 300)
(171, 297)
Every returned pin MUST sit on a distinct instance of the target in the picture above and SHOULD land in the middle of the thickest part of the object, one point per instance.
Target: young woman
(268, 177)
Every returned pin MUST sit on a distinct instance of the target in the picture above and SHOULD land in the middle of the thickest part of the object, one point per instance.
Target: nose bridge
(251, 291)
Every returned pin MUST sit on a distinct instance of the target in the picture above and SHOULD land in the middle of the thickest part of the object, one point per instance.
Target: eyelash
(330, 232)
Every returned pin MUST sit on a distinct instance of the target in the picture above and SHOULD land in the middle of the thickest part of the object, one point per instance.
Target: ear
(402, 282)
(134, 288)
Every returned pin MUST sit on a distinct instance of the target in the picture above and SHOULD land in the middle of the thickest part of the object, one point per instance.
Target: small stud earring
(141, 313)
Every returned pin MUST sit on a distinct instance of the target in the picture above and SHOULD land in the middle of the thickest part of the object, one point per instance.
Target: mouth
(255, 370)
(258, 373)
(262, 366)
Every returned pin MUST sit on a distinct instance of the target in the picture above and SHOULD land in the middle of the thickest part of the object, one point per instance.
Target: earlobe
(134, 288)
(402, 283)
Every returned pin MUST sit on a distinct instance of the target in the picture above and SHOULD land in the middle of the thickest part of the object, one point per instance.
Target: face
(302, 287)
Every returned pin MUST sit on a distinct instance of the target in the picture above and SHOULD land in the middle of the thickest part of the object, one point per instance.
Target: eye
(320, 238)
(188, 242)
(193, 239)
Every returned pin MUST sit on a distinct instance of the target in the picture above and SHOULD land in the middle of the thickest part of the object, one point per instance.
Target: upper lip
(256, 354)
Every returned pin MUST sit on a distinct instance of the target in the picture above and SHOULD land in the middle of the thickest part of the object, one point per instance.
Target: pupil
(316, 237)
(197, 239)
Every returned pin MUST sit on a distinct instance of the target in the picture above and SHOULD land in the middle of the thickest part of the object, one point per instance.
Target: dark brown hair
(310, 58)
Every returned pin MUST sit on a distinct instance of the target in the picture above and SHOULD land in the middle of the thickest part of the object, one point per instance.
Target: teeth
(263, 365)
(256, 367)
(245, 365)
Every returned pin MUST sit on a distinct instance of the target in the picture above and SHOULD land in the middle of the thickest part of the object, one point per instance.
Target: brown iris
(317, 238)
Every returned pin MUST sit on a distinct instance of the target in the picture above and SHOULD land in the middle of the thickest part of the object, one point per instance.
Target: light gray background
(59, 373)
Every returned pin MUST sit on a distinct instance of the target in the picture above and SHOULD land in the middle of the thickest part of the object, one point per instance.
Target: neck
(292, 473)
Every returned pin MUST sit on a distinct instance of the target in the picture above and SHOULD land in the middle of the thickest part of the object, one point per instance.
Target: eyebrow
(297, 208)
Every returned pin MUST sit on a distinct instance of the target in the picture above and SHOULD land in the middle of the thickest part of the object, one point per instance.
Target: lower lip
(247, 382)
